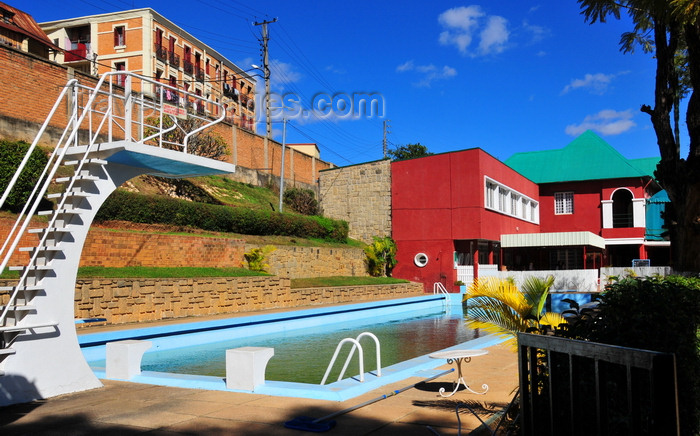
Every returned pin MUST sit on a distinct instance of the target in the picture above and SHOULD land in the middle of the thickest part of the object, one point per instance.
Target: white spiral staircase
(112, 134)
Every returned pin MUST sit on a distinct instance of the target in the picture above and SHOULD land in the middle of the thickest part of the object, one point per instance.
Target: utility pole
(266, 70)
(284, 143)
(386, 130)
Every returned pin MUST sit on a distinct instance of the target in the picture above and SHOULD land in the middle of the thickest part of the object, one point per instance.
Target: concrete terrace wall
(360, 195)
(122, 301)
(37, 82)
(127, 301)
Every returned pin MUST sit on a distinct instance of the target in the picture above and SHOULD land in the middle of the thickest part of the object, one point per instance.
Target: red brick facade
(36, 83)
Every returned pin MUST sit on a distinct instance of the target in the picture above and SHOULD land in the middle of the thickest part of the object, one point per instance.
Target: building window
(119, 36)
(622, 209)
(121, 78)
(501, 198)
(563, 203)
(490, 194)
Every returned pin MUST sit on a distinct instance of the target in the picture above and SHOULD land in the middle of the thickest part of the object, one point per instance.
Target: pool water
(302, 355)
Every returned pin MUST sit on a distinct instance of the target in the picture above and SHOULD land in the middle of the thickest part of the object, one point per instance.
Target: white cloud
(335, 70)
(282, 73)
(461, 25)
(606, 122)
(594, 83)
(494, 36)
(406, 66)
(427, 73)
(537, 33)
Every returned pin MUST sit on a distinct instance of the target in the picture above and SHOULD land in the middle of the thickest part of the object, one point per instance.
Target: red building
(464, 214)
(450, 210)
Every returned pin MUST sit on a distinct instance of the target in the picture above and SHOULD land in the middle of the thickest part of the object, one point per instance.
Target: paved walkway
(122, 408)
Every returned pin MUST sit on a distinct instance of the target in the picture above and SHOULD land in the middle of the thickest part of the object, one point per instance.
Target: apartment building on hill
(147, 43)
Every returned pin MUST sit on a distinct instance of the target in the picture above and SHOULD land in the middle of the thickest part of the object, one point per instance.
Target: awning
(559, 239)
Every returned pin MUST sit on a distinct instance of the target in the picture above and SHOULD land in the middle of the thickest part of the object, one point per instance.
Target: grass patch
(159, 273)
(239, 194)
(7, 274)
(318, 282)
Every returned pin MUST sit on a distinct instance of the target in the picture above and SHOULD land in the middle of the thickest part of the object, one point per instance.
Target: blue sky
(505, 75)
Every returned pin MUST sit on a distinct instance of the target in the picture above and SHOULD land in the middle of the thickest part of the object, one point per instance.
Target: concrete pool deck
(127, 408)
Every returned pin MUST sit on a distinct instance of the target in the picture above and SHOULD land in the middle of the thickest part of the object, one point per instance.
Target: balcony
(188, 67)
(230, 92)
(78, 54)
(199, 74)
(174, 59)
(161, 53)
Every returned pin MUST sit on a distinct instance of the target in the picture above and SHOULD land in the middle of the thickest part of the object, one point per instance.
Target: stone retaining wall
(302, 262)
(123, 301)
(360, 195)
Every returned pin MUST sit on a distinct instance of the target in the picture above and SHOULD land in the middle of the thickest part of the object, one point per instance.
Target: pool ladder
(439, 288)
(356, 345)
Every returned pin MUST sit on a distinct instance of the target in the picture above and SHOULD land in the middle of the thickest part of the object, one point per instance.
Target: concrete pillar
(245, 367)
(124, 358)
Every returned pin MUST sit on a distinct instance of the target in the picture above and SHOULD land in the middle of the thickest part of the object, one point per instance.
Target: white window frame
(501, 198)
(564, 203)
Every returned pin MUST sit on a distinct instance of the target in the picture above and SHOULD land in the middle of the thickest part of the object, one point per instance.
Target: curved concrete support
(124, 358)
(245, 367)
(48, 361)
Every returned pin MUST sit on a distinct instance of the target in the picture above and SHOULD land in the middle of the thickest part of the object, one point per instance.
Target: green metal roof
(647, 165)
(587, 157)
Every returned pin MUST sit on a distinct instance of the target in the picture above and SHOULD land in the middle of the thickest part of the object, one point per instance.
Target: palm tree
(499, 307)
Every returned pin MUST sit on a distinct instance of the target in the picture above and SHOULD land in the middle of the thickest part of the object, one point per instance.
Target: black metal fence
(571, 387)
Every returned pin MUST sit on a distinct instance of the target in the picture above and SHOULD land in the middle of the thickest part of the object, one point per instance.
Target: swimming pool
(286, 328)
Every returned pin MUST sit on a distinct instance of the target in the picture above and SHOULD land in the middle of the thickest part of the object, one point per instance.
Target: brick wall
(114, 248)
(117, 248)
(37, 82)
(360, 195)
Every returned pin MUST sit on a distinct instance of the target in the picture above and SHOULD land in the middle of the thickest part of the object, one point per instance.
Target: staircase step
(33, 268)
(68, 194)
(19, 308)
(4, 289)
(49, 230)
(21, 328)
(87, 161)
(68, 179)
(63, 211)
(30, 249)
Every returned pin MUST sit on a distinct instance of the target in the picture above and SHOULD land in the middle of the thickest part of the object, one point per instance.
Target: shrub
(380, 257)
(145, 209)
(256, 258)
(659, 314)
(302, 200)
(11, 155)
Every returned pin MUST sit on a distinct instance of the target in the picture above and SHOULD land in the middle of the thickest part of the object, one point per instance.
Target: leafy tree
(667, 27)
(499, 307)
(11, 155)
(381, 256)
(660, 314)
(408, 151)
(302, 200)
(205, 143)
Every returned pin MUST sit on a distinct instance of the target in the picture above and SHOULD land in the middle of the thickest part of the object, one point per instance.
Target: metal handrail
(75, 119)
(356, 345)
(352, 352)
